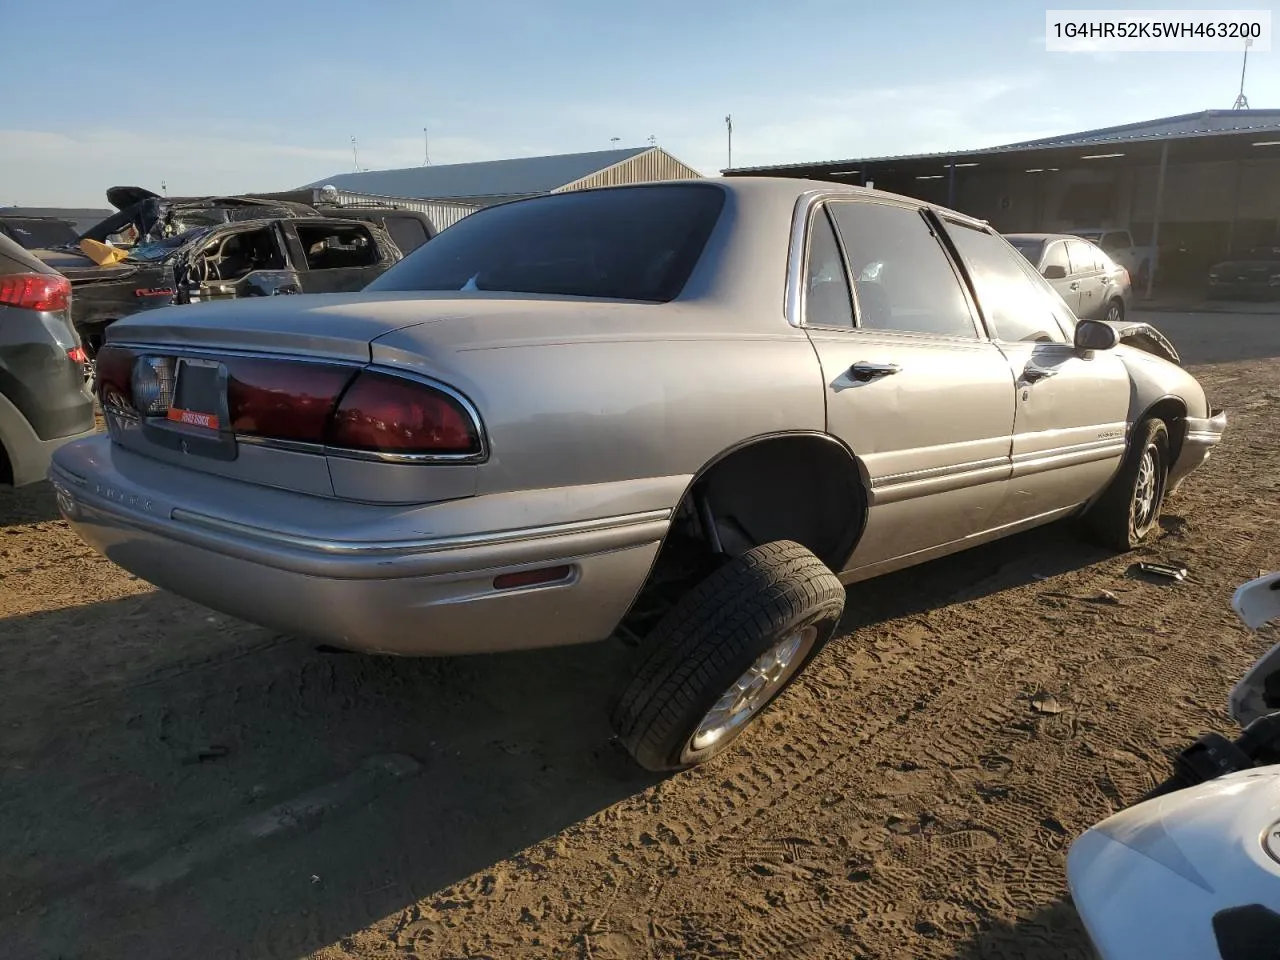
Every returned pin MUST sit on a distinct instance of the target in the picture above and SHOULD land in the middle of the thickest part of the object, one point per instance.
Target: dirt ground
(174, 783)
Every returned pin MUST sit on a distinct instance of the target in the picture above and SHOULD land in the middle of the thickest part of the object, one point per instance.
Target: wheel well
(1174, 414)
(801, 487)
(6, 467)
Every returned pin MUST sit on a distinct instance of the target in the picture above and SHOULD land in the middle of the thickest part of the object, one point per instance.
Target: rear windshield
(36, 234)
(1028, 248)
(626, 243)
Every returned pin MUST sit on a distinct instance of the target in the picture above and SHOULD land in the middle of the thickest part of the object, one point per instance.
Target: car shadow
(175, 777)
(34, 503)
(1053, 931)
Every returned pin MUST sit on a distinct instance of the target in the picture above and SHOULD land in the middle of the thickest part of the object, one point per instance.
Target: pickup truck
(244, 258)
(1119, 246)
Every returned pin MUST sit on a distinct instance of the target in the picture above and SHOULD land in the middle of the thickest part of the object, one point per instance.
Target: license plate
(199, 394)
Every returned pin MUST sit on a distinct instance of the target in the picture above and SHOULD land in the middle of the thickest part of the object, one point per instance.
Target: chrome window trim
(343, 453)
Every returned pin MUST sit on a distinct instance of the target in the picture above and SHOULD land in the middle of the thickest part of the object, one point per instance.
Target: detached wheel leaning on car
(726, 649)
(1128, 510)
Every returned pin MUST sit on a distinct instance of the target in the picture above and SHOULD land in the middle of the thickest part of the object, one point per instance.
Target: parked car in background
(241, 258)
(33, 233)
(1090, 282)
(684, 414)
(1119, 246)
(1255, 276)
(44, 398)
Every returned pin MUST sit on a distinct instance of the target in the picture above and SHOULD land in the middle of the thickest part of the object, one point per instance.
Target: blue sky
(235, 95)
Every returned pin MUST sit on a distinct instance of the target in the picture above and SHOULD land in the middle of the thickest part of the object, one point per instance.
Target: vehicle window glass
(407, 233)
(901, 275)
(1115, 240)
(1101, 261)
(626, 243)
(329, 246)
(1056, 256)
(1081, 256)
(36, 233)
(826, 285)
(230, 256)
(1016, 302)
(1031, 249)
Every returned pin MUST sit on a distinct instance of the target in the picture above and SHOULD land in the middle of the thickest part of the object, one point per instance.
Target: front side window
(1016, 302)
(624, 243)
(1115, 240)
(901, 274)
(1056, 256)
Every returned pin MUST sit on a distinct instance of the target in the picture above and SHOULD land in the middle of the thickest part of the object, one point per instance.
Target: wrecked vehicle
(683, 414)
(247, 258)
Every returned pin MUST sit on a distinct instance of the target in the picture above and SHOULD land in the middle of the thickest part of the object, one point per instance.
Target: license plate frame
(199, 398)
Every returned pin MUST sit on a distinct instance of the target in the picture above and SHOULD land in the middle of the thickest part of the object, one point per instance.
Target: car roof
(1045, 236)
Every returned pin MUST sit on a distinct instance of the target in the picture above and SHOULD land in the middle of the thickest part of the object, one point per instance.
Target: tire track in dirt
(909, 796)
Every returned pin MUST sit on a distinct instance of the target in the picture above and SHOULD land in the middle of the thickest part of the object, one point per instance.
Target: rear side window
(332, 247)
(1081, 254)
(625, 243)
(407, 233)
(826, 286)
(1013, 299)
(901, 275)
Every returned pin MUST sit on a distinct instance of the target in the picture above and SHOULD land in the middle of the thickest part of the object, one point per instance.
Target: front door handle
(1033, 374)
(862, 371)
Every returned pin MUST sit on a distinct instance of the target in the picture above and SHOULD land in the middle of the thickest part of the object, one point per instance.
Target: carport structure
(1196, 187)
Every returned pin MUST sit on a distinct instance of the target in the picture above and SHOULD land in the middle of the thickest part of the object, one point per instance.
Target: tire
(1118, 520)
(1116, 306)
(763, 602)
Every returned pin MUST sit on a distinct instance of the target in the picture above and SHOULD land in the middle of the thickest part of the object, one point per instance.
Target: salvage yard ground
(174, 783)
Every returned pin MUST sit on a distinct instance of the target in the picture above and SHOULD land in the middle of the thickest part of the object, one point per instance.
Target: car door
(923, 400)
(236, 261)
(337, 256)
(1071, 411)
(1084, 280)
(1055, 267)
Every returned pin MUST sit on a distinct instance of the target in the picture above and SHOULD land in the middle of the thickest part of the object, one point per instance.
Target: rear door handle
(1075, 284)
(862, 371)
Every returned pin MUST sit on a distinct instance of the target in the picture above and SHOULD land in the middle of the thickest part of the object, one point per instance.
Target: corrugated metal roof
(490, 178)
(1203, 124)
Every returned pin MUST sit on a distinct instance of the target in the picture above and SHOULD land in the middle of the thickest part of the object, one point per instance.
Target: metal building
(448, 192)
(1198, 187)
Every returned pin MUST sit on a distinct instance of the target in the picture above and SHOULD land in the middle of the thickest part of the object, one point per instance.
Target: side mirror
(1055, 271)
(1095, 335)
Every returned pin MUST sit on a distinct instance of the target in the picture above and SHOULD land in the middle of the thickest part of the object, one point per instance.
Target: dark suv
(45, 400)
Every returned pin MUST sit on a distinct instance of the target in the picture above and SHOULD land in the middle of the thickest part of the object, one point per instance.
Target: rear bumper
(1203, 434)
(28, 454)
(415, 596)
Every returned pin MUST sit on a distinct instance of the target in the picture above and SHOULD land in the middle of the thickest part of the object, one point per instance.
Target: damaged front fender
(1143, 336)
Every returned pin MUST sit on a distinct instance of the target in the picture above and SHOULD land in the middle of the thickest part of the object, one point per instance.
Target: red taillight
(114, 368)
(35, 291)
(78, 355)
(389, 414)
(337, 406)
(283, 400)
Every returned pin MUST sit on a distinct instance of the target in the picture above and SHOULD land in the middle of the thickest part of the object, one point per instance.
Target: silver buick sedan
(680, 414)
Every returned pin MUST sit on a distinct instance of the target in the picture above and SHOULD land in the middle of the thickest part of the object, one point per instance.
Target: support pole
(1155, 223)
(951, 184)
